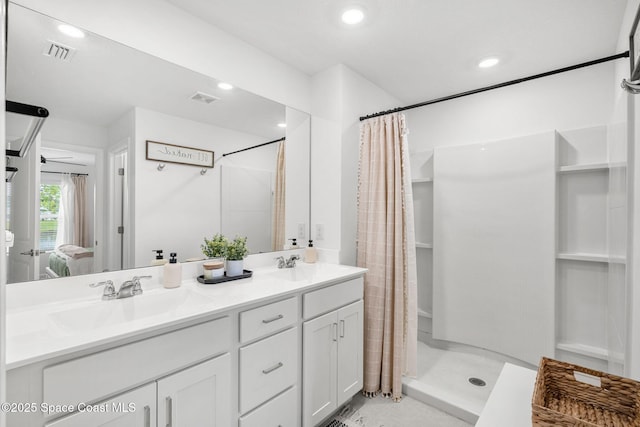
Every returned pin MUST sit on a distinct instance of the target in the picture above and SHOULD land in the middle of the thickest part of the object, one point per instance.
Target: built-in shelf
(424, 245)
(418, 180)
(589, 351)
(422, 313)
(590, 167)
(575, 256)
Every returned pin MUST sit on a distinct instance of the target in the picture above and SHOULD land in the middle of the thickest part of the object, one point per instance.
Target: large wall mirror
(86, 199)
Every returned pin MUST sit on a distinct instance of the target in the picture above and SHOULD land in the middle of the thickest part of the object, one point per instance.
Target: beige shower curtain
(386, 246)
(277, 232)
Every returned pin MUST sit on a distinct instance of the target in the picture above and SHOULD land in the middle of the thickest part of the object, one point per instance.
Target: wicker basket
(559, 399)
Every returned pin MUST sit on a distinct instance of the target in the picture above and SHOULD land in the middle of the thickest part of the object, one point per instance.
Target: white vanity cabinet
(282, 353)
(332, 349)
(136, 408)
(269, 367)
(198, 396)
(184, 374)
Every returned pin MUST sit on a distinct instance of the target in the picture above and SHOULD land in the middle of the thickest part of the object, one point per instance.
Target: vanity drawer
(332, 297)
(268, 367)
(277, 412)
(267, 319)
(92, 377)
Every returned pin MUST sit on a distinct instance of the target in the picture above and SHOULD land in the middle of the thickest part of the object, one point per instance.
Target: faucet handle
(280, 260)
(291, 262)
(109, 289)
(137, 286)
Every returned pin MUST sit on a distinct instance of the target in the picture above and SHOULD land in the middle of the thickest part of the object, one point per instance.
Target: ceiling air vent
(204, 97)
(58, 51)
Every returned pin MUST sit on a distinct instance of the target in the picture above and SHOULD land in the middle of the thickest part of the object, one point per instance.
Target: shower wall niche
(590, 258)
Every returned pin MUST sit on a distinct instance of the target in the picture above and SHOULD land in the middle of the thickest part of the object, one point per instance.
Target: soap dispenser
(310, 253)
(172, 275)
(159, 259)
(294, 244)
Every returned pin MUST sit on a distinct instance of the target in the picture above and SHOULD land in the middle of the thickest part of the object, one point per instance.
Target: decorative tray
(225, 278)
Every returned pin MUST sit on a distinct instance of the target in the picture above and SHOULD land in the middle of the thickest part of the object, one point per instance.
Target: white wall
(3, 196)
(633, 190)
(163, 30)
(326, 155)
(75, 133)
(580, 98)
(177, 207)
(297, 184)
(339, 97)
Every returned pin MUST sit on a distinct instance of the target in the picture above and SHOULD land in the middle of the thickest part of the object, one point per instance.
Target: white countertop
(36, 332)
(509, 404)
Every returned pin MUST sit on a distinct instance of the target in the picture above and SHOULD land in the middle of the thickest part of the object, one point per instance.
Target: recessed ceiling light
(282, 125)
(488, 62)
(352, 16)
(71, 31)
(225, 86)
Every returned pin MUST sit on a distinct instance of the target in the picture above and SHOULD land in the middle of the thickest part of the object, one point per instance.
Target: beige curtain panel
(277, 232)
(80, 226)
(386, 246)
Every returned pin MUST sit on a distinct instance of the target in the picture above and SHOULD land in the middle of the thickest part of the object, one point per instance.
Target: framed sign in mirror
(170, 153)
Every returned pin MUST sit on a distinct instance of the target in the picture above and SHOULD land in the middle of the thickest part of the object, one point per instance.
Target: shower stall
(521, 247)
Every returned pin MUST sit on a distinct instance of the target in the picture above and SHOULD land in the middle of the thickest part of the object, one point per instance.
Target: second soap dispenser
(172, 274)
(159, 259)
(310, 253)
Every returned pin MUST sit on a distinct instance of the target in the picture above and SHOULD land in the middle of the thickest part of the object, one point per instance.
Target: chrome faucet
(131, 287)
(290, 263)
(109, 291)
(128, 288)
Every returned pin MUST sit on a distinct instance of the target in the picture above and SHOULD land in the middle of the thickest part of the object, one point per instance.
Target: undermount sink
(307, 272)
(301, 272)
(93, 315)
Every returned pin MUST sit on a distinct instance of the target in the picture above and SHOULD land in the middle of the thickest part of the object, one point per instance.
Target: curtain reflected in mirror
(278, 230)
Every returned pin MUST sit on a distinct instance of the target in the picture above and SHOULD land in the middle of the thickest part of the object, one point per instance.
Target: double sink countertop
(58, 325)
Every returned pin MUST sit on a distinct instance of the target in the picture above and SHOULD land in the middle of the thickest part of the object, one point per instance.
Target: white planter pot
(235, 267)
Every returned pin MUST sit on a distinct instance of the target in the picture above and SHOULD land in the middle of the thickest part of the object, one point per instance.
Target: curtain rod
(499, 85)
(255, 146)
(65, 173)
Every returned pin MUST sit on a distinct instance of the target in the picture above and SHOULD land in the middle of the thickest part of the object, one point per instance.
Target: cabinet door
(320, 349)
(136, 408)
(198, 396)
(350, 351)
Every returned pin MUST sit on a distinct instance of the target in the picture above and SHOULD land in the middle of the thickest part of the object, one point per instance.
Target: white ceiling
(103, 80)
(422, 49)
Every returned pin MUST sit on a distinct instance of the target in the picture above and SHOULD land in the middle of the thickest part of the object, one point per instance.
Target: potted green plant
(236, 252)
(216, 247)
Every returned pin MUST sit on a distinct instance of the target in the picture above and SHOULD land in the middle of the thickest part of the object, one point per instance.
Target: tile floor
(381, 412)
(441, 385)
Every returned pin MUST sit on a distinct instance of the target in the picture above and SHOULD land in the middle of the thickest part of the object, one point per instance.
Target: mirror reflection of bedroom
(67, 191)
(50, 206)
